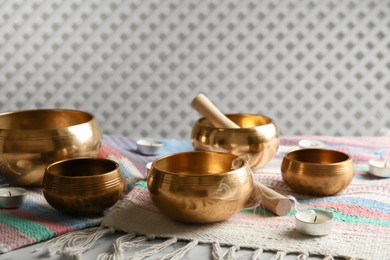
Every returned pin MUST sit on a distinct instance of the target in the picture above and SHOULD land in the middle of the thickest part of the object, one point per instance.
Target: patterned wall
(315, 67)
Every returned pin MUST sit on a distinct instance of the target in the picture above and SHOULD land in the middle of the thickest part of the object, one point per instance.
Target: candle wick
(9, 192)
(315, 218)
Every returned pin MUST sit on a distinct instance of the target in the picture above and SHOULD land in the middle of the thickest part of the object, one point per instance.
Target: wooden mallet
(271, 200)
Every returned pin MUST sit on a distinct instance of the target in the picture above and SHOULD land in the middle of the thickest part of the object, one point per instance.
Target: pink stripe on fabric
(352, 210)
(107, 150)
(57, 228)
(112, 145)
(17, 240)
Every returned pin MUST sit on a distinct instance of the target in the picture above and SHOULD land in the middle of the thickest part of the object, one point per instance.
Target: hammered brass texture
(258, 138)
(199, 187)
(83, 186)
(32, 139)
(318, 172)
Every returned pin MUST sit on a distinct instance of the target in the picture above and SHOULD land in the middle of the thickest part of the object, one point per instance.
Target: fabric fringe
(181, 251)
(152, 250)
(303, 256)
(130, 241)
(279, 255)
(74, 244)
(218, 253)
(230, 254)
(257, 253)
(121, 244)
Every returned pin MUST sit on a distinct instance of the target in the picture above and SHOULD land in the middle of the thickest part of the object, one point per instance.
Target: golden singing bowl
(318, 172)
(199, 187)
(32, 139)
(83, 186)
(258, 138)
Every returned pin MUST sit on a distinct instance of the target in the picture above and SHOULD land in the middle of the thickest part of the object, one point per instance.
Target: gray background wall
(315, 67)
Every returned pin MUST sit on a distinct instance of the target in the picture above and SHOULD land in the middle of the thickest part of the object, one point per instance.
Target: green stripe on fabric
(28, 227)
(337, 216)
(141, 184)
(352, 219)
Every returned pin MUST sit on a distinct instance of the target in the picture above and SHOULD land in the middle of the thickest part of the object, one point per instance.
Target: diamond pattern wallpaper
(315, 67)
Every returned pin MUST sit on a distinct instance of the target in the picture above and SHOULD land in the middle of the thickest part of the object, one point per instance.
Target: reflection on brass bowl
(199, 187)
(83, 186)
(32, 139)
(318, 172)
(258, 138)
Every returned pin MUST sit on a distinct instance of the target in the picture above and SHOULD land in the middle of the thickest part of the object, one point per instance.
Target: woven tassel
(279, 255)
(217, 251)
(230, 254)
(73, 244)
(152, 250)
(179, 253)
(121, 244)
(303, 256)
(256, 255)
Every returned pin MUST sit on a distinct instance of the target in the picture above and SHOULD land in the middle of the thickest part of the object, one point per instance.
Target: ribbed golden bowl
(258, 138)
(32, 139)
(199, 187)
(83, 186)
(318, 172)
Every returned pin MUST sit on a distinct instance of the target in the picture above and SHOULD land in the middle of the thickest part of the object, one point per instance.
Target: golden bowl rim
(232, 171)
(92, 117)
(271, 122)
(286, 157)
(117, 167)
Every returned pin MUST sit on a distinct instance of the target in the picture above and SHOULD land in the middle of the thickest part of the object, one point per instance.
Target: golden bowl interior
(83, 185)
(258, 138)
(32, 139)
(318, 172)
(42, 119)
(199, 187)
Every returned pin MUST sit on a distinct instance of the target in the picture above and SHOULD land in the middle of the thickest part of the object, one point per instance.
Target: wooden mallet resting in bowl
(270, 199)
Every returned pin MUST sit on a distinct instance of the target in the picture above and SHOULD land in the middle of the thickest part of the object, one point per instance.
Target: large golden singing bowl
(83, 186)
(32, 139)
(199, 187)
(318, 172)
(258, 138)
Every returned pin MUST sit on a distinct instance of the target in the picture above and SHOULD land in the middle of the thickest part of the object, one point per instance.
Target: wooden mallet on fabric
(271, 200)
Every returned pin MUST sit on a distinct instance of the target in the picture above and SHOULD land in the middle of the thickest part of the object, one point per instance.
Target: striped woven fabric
(37, 221)
(361, 227)
(363, 209)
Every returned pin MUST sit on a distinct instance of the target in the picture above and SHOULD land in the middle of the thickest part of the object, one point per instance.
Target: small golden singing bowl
(199, 187)
(258, 138)
(318, 172)
(83, 186)
(32, 139)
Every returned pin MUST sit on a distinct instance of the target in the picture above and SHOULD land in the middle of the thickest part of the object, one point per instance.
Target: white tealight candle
(315, 222)
(149, 147)
(307, 143)
(11, 197)
(380, 168)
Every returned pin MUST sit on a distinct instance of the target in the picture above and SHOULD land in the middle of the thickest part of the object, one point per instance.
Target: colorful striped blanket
(361, 211)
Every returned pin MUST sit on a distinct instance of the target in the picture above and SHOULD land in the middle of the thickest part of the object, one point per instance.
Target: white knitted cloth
(137, 214)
